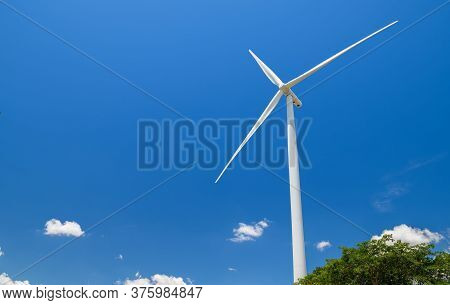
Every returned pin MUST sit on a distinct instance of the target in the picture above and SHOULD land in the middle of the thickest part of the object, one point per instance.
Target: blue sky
(378, 142)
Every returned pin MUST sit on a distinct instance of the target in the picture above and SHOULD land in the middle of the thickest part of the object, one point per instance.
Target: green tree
(383, 262)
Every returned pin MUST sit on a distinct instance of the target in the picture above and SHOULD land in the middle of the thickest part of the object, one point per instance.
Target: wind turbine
(298, 244)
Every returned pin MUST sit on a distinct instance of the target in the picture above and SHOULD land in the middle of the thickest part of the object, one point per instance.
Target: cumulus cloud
(68, 228)
(6, 280)
(410, 235)
(140, 281)
(322, 245)
(157, 279)
(246, 232)
(383, 201)
(231, 269)
(162, 279)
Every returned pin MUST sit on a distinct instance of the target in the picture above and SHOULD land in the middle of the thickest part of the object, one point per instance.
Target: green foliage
(383, 262)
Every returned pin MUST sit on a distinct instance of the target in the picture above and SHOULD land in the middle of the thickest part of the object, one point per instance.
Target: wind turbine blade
(295, 81)
(267, 71)
(270, 107)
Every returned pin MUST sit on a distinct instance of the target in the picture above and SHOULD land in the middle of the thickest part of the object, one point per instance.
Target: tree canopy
(383, 262)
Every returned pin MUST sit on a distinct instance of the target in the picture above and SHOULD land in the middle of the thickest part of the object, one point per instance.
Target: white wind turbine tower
(298, 244)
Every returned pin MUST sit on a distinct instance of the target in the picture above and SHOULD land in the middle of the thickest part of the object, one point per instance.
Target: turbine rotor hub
(285, 89)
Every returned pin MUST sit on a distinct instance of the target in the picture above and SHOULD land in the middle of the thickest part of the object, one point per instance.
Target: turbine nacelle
(295, 99)
(288, 91)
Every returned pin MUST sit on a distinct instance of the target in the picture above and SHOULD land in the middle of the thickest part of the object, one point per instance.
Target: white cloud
(1, 252)
(323, 245)
(416, 164)
(6, 280)
(119, 257)
(162, 279)
(383, 201)
(141, 281)
(157, 279)
(246, 232)
(231, 269)
(412, 236)
(69, 228)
